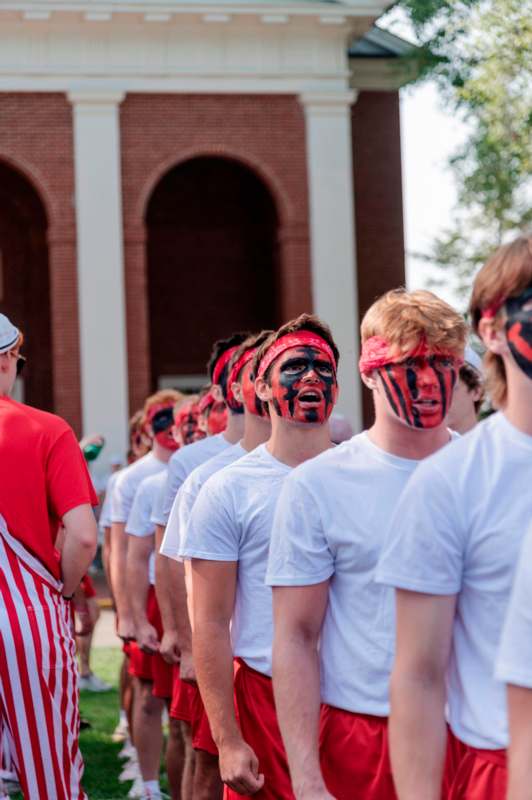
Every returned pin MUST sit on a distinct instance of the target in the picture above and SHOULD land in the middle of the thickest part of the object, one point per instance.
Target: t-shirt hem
(400, 582)
(206, 556)
(139, 534)
(297, 580)
(507, 674)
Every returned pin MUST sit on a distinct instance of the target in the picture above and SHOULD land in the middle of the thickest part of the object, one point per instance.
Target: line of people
(276, 555)
(328, 621)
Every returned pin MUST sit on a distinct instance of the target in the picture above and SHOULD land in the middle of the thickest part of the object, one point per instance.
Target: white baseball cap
(9, 335)
(472, 358)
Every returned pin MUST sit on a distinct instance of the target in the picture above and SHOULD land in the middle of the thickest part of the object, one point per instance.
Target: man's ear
(236, 391)
(217, 393)
(263, 390)
(493, 335)
(370, 379)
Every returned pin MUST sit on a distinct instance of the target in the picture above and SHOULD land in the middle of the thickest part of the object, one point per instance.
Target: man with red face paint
(227, 539)
(451, 554)
(213, 414)
(187, 703)
(188, 428)
(333, 624)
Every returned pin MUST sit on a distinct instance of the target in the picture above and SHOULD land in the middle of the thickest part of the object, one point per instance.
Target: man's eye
(527, 306)
(324, 369)
(295, 366)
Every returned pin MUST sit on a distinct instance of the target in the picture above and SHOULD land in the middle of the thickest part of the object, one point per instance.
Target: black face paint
(304, 385)
(519, 329)
(419, 390)
(162, 420)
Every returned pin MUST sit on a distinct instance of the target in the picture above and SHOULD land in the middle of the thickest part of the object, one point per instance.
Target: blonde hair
(162, 397)
(507, 273)
(403, 318)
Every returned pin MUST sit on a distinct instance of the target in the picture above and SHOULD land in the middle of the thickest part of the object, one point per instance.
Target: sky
(429, 136)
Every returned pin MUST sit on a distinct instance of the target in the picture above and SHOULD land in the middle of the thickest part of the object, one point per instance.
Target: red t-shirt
(42, 476)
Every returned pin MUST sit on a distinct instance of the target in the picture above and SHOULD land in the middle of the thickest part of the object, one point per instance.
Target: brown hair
(473, 380)
(305, 322)
(506, 274)
(402, 318)
(255, 340)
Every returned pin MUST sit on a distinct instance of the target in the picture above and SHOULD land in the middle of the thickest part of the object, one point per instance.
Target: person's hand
(83, 622)
(169, 648)
(239, 767)
(147, 638)
(92, 438)
(187, 670)
(125, 629)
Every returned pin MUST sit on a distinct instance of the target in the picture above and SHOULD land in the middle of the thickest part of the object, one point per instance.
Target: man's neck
(466, 424)
(161, 453)
(257, 430)
(400, 440)
(292, 444)
(518, 409)
(235, 428)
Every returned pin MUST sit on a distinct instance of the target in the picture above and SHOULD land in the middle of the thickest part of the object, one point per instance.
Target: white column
(100, 268)
(334, 285)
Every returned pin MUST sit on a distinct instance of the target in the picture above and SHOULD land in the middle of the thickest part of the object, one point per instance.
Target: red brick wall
(36, 140)
(265, 133)
(378, 200)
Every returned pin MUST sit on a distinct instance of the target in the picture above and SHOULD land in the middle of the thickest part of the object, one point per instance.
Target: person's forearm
(213, 658)
(106, 556)
(79, 547)
(138, 586)
(165, 596)
(118, 569)
(520, 750)
(418, 736)
(176, 571)
(296, 685)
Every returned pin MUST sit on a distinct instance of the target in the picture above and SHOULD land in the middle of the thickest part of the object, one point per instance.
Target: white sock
(122, 717)
(152, 787)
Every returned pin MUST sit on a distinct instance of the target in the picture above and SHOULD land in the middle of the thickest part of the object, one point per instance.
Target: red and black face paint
(252, 402)
(304, 386)
(519, 329)
(161, 423)
(188, 424)
(220, 377)
(419, 389)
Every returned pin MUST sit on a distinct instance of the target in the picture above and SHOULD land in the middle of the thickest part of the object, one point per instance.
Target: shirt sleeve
(299, 551)
(121, 499)
(68, 480)
(139, 522)
(425, 544)
(212, 531)
(157, 516)
(176, 476)
(170, 542)
(514, 661)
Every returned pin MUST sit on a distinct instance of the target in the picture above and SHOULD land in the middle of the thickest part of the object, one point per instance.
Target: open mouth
(309, 397)
(427, 404)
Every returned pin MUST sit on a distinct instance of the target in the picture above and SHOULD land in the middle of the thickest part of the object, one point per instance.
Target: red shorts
(187, 706)
(180, 706)
(161, 671)
(354, 755)
(141, 663)
(482, 775)
(258, 722)
(87, 587)
(456, 751)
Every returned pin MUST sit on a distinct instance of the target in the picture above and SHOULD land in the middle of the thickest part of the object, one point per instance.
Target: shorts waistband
(497, 757)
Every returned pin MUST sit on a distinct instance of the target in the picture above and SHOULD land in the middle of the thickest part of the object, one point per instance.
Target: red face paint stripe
(520, 344)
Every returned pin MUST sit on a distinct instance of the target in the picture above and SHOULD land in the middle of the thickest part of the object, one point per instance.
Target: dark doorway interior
(212, 261)
(25, 281)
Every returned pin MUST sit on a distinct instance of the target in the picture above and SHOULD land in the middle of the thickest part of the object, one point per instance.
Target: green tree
(480, 52)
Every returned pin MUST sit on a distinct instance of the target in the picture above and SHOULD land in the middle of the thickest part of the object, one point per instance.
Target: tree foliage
(480, 52)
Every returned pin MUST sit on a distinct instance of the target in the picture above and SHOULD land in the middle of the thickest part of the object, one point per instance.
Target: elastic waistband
(497, 757)
(240, 663)
(357, 714)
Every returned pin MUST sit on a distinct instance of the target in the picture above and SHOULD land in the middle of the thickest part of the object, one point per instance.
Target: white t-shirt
(330, 524)
(177, 525)
(231, 521)
(180, 466)
(128, 481)
(105, 514)
(514, 662)
(458, 529)
(139, 521)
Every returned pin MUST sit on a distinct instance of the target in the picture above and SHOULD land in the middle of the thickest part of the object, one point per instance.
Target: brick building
(171, 171)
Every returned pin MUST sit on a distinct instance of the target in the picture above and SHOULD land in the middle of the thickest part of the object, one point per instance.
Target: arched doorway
(212, 263)
(25, 281)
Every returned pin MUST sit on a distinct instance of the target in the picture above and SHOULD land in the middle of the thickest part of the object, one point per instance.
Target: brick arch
(265, 134)
(45, 162)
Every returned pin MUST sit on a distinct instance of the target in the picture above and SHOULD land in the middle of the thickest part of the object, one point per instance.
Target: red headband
(491, 311)
(376, 353)
(298, 339)
(244, 359)
(154, 409)
(222, 362)
(206, 401)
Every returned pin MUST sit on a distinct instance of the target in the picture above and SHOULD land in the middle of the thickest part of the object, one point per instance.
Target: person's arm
(79, 546)
(298, 617)
(520, 750)
(106, 556)
(169, 647)
(118, 563)
(138, 559)
(417, 728)
(213, 589)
